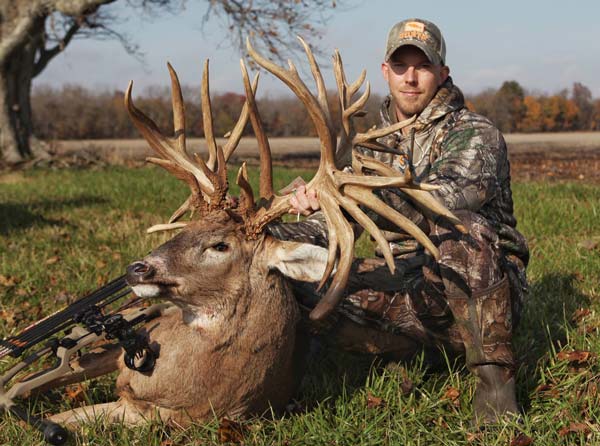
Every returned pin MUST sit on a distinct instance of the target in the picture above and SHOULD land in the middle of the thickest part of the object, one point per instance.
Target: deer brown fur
(231, 345)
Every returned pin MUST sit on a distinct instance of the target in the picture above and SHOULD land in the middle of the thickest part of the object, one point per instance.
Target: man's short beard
(409, 110)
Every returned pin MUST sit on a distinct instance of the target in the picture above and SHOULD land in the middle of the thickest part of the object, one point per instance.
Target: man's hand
(304, 202)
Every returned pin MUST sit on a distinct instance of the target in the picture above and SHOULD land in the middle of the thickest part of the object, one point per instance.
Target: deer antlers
(339, 191)
(207, 180)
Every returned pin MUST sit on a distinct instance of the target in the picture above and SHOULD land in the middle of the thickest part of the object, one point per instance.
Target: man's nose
(411, 75)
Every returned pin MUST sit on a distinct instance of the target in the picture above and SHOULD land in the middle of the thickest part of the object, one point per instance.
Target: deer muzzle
(139, 272)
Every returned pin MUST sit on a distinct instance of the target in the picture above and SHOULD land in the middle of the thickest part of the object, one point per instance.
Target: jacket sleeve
(467, 168)
(311, 230)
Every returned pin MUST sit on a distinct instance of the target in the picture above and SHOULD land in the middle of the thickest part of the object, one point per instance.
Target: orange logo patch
(423, 36)
(414, 26)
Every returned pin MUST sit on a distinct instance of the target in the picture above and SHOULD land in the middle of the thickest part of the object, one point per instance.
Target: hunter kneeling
(471, 299)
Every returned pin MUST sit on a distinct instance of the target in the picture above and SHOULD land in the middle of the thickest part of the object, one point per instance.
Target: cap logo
(418, 35)
(414, 26)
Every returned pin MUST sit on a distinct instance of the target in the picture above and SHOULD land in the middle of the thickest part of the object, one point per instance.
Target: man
(470, 298)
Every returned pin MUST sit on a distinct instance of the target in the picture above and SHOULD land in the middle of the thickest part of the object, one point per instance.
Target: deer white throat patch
(146, 291)
(200, 318)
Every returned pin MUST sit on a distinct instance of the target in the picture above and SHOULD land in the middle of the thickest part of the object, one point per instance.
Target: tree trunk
(16, 75)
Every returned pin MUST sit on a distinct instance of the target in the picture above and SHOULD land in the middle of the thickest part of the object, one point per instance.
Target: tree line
(75, 112)
(513, 109)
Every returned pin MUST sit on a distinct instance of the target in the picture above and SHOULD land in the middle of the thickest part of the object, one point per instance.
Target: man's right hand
(304, 202)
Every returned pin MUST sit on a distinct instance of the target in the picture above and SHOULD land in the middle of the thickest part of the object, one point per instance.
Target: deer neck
(259, 310)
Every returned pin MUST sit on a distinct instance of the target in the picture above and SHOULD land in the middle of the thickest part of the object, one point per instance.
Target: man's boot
(485, 324)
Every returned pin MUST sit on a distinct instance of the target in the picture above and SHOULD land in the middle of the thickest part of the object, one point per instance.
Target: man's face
(413, 80)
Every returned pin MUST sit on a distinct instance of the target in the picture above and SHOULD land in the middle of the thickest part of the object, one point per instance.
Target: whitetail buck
(230, 345)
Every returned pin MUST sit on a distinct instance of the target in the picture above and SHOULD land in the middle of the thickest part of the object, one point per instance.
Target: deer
(233, 341)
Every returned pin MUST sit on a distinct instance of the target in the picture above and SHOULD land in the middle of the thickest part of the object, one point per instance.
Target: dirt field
(532, 156)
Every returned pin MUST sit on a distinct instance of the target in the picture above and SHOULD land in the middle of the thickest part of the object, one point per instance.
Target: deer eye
(221, 247)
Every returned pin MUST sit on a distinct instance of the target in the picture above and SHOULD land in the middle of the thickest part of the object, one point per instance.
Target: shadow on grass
(17, 216)
(548, 315)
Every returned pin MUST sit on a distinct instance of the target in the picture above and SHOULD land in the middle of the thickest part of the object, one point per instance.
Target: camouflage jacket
(464, 154)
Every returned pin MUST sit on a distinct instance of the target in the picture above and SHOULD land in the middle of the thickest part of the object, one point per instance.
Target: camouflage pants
(429, 302)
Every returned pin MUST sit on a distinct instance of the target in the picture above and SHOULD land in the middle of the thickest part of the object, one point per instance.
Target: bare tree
(582, 96)
(33, 32)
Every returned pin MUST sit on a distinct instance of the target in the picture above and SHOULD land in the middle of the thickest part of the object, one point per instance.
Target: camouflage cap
(420, 33)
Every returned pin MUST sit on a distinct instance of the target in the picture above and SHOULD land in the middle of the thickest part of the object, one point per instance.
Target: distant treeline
(515, 110)
(74, 112)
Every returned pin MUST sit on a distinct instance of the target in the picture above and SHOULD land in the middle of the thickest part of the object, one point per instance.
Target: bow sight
(64, 334)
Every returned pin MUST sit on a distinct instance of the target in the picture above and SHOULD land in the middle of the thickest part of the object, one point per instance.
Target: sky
(545, 45)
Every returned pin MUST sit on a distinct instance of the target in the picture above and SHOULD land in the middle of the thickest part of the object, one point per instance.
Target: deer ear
(299, 261)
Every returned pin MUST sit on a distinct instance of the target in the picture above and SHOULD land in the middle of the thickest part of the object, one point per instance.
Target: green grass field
(63, 233)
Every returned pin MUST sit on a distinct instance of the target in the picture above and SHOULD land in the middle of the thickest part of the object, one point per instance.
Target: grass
(63, 233)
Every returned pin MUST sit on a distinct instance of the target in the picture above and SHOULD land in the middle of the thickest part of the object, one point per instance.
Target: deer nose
(139, 271)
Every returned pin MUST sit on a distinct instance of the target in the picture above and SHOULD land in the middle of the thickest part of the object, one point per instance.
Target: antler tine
(346, 92)
(353, 88)
(168, 148)
(238, 129)
(341, 240)
(207, 121)
(358, 104)
(418, 192)
(181, 210)
(166, 227)
(348, 109)
(266, 164)
(318, 77)
(178, 111)
(369, 138)
(401, 180)
(246, 207)
(291, 78)
(365, 197)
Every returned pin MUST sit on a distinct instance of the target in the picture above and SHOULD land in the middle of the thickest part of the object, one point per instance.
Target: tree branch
(96, 27)
(98, 23)
(274, 23)
(46, 55)
(76, 8)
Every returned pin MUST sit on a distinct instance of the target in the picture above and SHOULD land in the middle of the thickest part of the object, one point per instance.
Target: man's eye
(221, 247)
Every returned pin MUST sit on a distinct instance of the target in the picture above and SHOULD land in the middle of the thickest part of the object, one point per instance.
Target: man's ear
(385, 71)
(299, 261)
(444, 73)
